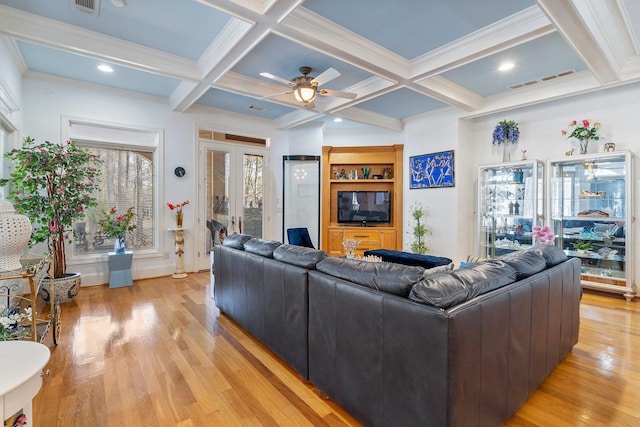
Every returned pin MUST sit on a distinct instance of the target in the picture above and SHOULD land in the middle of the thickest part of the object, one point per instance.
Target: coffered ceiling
(402, 58)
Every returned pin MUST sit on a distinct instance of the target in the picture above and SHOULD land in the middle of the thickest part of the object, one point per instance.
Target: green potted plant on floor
(419, 244)
(52, 184)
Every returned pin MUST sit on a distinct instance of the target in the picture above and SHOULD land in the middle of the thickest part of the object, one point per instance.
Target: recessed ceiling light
(506, 66)
(337, 120)
(105, 68)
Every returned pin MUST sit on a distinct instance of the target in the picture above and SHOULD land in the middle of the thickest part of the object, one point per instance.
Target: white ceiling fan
(305, 87)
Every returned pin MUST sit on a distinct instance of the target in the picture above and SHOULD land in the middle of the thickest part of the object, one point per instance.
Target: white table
(21, 364)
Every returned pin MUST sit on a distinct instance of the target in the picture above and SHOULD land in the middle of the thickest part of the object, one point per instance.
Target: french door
(232, 194)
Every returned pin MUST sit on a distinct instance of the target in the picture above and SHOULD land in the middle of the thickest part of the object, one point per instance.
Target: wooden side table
(21, 364)
(178, 236)
(120, 269)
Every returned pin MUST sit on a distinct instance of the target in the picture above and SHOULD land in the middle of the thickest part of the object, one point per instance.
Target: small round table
(21, 364)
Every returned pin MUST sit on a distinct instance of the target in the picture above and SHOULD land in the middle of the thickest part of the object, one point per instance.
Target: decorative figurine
(343, 174)
(516, 208)
(510, 208)
(609, 146)
(524, 154)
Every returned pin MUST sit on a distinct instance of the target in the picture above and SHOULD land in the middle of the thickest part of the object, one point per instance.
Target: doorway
(232, 195)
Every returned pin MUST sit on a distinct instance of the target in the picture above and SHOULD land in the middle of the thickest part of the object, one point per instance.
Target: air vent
(543, 79)
(91, 7)
(255, 107)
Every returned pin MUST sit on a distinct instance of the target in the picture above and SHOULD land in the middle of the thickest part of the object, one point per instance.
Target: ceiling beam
(568, 20)
(68, 38)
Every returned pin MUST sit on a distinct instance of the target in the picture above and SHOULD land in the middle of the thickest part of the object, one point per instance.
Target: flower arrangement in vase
(178, 211)
(584, 132)
(506, 132)
(116, 225)
(52, 184)
(350, 245)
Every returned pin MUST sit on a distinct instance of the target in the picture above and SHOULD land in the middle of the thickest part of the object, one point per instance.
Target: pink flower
(53, 229)
(572, 123)
(585, 123)
(564, 132)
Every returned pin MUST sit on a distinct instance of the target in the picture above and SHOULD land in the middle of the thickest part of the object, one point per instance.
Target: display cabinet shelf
(590, 202)
(510, 204)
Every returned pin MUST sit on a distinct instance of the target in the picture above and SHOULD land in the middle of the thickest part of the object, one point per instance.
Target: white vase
(15, 232)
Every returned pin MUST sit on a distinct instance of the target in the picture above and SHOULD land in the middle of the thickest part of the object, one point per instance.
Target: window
(132, 158)
(126, 180)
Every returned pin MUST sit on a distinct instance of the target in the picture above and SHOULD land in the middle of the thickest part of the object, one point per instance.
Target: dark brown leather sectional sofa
(395, 346)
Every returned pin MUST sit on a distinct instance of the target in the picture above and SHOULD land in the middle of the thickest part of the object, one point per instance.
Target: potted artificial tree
(419, 244)
(53, 184)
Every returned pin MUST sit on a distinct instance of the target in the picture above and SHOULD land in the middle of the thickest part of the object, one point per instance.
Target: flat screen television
(359, 206)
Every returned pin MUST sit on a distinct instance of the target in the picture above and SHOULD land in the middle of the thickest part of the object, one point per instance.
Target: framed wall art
(435, 170)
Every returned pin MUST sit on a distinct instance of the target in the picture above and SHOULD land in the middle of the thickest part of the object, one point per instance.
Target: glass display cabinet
(591, 214)
(510, 204)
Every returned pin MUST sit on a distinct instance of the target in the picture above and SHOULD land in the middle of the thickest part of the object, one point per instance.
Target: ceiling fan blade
(337, 93)
(276, 78)
(328, 75)
(276, 94)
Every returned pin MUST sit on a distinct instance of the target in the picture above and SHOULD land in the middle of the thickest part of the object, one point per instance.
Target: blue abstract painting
(433, 170)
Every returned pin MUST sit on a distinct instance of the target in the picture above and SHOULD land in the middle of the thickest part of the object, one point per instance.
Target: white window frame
(125, 137)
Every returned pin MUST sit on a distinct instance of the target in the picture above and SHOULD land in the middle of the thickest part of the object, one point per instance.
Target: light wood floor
(160, 354)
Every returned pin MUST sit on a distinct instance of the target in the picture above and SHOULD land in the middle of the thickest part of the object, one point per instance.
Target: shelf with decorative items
(361, 196)
(510, 205)
(24, 316)
(590, 203)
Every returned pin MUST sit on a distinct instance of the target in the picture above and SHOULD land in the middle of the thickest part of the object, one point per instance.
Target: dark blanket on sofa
(407, 258)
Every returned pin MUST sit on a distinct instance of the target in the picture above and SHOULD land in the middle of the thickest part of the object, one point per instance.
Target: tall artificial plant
(419, 244)
(52, 184)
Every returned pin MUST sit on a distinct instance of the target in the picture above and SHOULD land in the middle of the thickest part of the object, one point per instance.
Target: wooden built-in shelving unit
(386, 235)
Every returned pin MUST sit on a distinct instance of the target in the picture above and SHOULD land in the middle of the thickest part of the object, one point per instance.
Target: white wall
(46, 100)
(451, 211)
(11, 82)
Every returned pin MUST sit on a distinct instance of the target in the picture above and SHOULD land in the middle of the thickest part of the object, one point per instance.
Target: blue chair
(299, 237)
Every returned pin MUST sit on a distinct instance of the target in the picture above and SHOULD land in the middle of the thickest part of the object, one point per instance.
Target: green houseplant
(52, 184)
(419, 244)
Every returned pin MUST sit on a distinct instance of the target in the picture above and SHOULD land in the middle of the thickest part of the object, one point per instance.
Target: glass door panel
(233, 194)
(252, 195)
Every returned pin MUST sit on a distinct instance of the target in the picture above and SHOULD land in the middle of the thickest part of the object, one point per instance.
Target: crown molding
(551, 90)
(16, 55)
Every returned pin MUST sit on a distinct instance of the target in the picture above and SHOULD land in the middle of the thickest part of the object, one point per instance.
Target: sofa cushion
(391, 278)
(236, 240)
(408, 258)
(442, 290)
(552, 255)
(299, 255)
(437, 270)
(483, 277)
(525, 263)
(261, 247)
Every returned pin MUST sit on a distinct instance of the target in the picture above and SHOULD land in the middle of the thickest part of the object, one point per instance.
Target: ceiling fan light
(305, 94)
